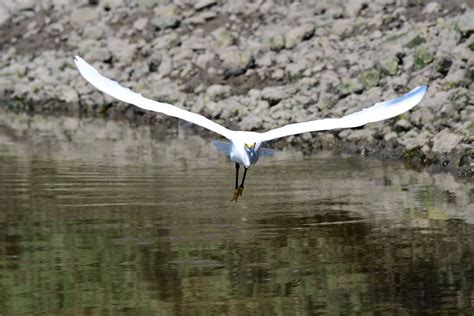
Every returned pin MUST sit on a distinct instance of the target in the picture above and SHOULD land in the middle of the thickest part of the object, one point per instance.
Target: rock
(364, 134)
(231, 108)
(166, 65)
(166, 17)
(278, 74)
(70, 96)
(296, 69)
(121, 49)
(349, 86)
(302, 100)
(251, 123)
(325, 140)
(205, 59)
(186, 70)
(422, 57)
(449, 110)
(18, 70)
(389, 66)
(266, 7)
(204, 4)
(443, 65)
(342, 27)
(353, 7)
(166, 22)
(208, 15)
(12, 8)
(327, 102)
(166, 10)
(255, 94)
(274, 40)
(195, 20)
(416, 41)
(140, 24)
(101, 53)
(450, 38)
(266, 60)
(369, 78)
(421, 140)
(166, 41)
(107, 4)
(96, 31)
(437, 99)
(335, 12)
(461, 98)
(217, 92)
(234, 61)
(140, 71)
(168, 91)
(454, 78)
(4, 86)
(81, 16)
(275, 94)
(445, 141)
(223, 37)
(390, 136)
(308, 83)
(432, 8)
(282, 58)
(236, 7)
(32, 27)
(4, 14)
(402, 125)
(146, 3)
(298, 34)
(377, 34)
(465, 23)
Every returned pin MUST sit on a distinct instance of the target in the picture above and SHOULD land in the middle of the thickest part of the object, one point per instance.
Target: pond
(100, 217)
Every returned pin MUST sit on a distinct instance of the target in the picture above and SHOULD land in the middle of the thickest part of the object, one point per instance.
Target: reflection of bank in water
(119, 142)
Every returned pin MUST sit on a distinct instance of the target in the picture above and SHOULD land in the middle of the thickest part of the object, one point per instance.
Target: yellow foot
(237, 193)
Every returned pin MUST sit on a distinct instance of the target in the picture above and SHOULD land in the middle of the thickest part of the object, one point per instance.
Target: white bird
(245, 147)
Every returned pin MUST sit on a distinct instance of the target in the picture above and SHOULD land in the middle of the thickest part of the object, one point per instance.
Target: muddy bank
(257, 65)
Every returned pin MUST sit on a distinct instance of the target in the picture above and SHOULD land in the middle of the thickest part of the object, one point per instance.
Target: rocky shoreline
(257, 65)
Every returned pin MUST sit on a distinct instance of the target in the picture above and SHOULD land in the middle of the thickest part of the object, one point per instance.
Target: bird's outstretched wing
(115, 90)
(380, 111)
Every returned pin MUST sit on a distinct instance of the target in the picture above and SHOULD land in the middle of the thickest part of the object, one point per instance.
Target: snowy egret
(244, 147)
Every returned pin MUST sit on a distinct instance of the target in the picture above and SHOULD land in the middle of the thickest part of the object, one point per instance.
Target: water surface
(100, 217)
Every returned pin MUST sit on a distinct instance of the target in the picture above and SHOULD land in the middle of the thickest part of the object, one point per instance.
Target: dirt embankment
(256, 65)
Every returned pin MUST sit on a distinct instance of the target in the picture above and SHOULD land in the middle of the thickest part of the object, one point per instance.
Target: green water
(102, 218)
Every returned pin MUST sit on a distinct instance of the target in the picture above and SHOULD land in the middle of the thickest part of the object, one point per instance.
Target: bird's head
(250, 148)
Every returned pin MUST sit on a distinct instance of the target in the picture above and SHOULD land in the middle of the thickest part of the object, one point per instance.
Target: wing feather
(380, 111)
(265, 152)
(117, 91)
(223, 147)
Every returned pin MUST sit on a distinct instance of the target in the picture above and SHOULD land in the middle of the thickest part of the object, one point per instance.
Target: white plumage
(244, 148)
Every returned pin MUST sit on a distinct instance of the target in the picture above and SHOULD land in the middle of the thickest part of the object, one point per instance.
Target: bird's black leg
(237, 167)
(237, 192)
(241, 188)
